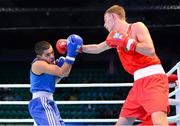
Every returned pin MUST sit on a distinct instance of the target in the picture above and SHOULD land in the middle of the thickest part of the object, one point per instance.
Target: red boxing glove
(116, 39)
(172, 78)
(61, 46)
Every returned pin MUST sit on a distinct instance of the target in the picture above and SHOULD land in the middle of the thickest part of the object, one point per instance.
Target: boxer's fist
(114, 39)
(117, 39)
(61, 46)
(74, 45)
(60, 61)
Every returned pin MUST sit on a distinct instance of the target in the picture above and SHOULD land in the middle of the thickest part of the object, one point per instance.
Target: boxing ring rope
(171, 119)
(71, 85)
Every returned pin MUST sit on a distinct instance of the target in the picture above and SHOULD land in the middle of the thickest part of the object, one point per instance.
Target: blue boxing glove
(60, 61)
(74, 44)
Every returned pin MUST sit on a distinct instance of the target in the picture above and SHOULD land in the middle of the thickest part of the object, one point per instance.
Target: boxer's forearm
(95, 48)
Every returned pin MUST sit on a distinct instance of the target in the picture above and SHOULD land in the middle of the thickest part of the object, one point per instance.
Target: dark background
(24, 22)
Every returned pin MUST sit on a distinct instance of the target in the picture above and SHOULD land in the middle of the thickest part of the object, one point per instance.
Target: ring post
(177, 95)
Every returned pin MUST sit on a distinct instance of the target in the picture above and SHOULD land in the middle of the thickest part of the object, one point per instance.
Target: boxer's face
(109, 21)
(48, 55)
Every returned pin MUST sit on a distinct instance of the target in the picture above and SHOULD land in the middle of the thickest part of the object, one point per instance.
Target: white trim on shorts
(147, 71)
(42, 94)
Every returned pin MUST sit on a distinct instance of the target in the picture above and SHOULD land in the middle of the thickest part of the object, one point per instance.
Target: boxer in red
(148, 98)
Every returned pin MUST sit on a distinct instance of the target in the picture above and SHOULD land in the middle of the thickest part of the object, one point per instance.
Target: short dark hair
(41, 46)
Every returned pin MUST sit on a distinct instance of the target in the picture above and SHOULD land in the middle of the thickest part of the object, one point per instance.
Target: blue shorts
(45, 112)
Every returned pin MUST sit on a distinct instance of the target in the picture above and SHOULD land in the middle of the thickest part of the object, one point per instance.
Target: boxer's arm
(95, 48)
(145, 44)
(40, 67)
(60, 62)
(58, 80)
(116, 39)
(89, 48)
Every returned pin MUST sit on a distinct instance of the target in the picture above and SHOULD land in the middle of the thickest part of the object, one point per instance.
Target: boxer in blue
(44, 74)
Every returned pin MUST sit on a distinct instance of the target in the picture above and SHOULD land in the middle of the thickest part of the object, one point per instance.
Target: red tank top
(134, 61)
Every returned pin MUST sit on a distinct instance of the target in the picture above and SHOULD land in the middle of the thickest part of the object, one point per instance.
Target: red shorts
(148, 95)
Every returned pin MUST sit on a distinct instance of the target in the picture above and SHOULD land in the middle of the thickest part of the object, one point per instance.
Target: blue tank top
(43, 82)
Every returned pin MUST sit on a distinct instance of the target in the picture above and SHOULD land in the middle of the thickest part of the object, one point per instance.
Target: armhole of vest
(33, 72)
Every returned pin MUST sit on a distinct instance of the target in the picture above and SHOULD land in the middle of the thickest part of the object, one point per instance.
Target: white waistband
(147, 71)
(42, 94)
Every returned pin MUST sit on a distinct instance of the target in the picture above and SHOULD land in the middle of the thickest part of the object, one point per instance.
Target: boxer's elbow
(66, 73)
(63, 71)
(151, 52)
